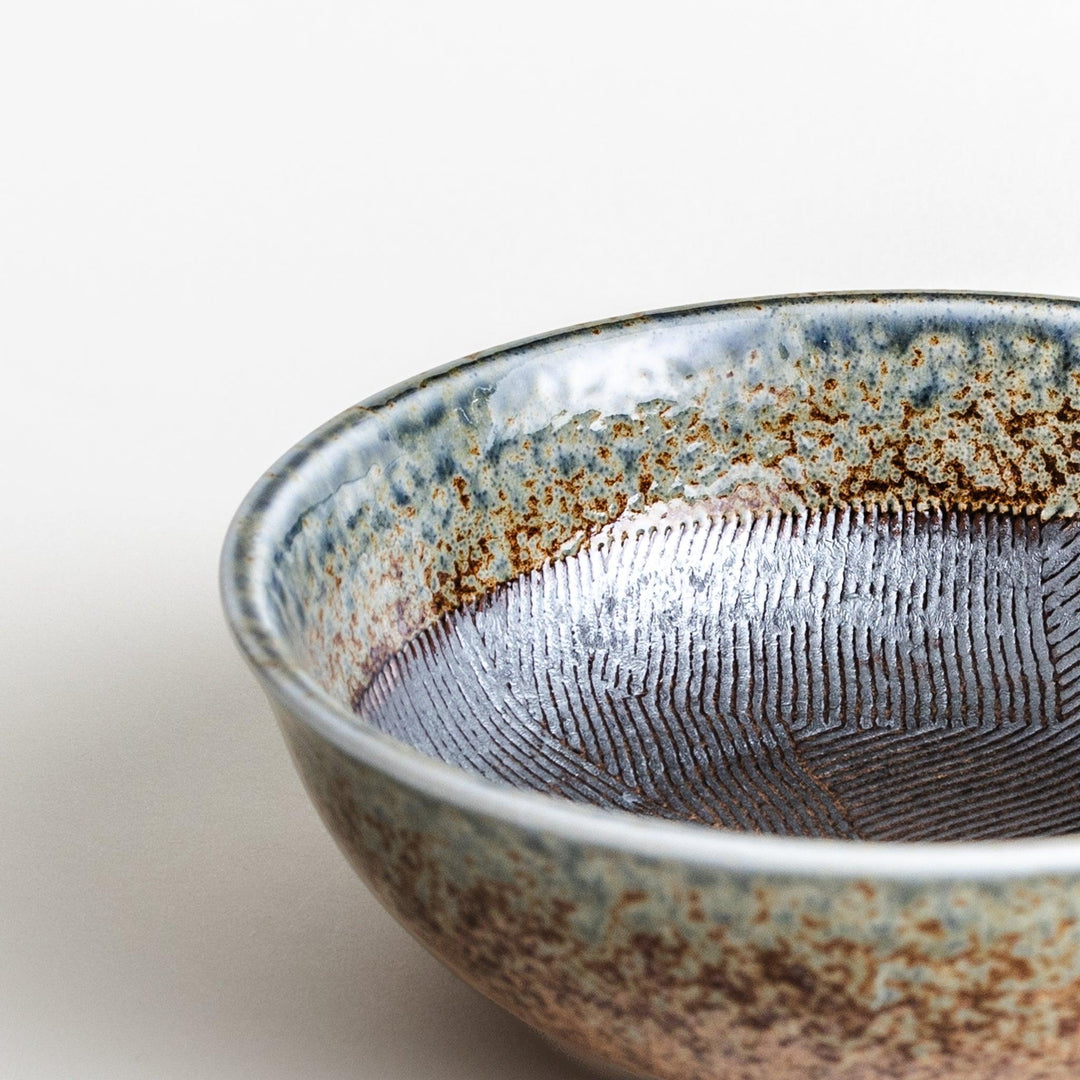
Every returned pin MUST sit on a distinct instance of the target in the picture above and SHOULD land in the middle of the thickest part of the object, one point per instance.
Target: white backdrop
(223, 221)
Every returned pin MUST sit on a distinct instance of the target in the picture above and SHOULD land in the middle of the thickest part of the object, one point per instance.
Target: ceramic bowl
(704, 686)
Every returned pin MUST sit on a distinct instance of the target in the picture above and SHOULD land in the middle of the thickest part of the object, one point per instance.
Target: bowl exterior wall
(672, 970)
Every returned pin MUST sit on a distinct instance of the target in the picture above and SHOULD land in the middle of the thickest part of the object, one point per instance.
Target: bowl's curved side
(670, 969)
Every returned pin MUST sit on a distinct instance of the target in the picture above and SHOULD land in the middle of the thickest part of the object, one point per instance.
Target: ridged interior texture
(801, 566)
(836, 673)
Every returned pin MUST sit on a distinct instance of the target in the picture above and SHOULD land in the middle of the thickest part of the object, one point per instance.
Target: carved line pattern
(839, 673)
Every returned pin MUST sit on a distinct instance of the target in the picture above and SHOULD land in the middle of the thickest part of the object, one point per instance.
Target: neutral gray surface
(216, 220)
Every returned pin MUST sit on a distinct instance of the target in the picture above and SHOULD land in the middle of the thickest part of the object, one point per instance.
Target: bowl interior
(802, 567)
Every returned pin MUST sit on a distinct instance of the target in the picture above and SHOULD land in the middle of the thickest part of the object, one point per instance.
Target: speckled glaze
(667, 948)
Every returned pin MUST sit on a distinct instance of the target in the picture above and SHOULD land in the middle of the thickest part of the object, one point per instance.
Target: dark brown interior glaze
(843, 673)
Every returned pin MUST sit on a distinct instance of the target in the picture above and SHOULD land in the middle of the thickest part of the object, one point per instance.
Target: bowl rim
(245, 552)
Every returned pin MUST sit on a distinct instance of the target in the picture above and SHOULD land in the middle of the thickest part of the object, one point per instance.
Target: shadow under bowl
(635, 666)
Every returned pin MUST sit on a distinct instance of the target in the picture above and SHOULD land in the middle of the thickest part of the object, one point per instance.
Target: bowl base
(596, 1067)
